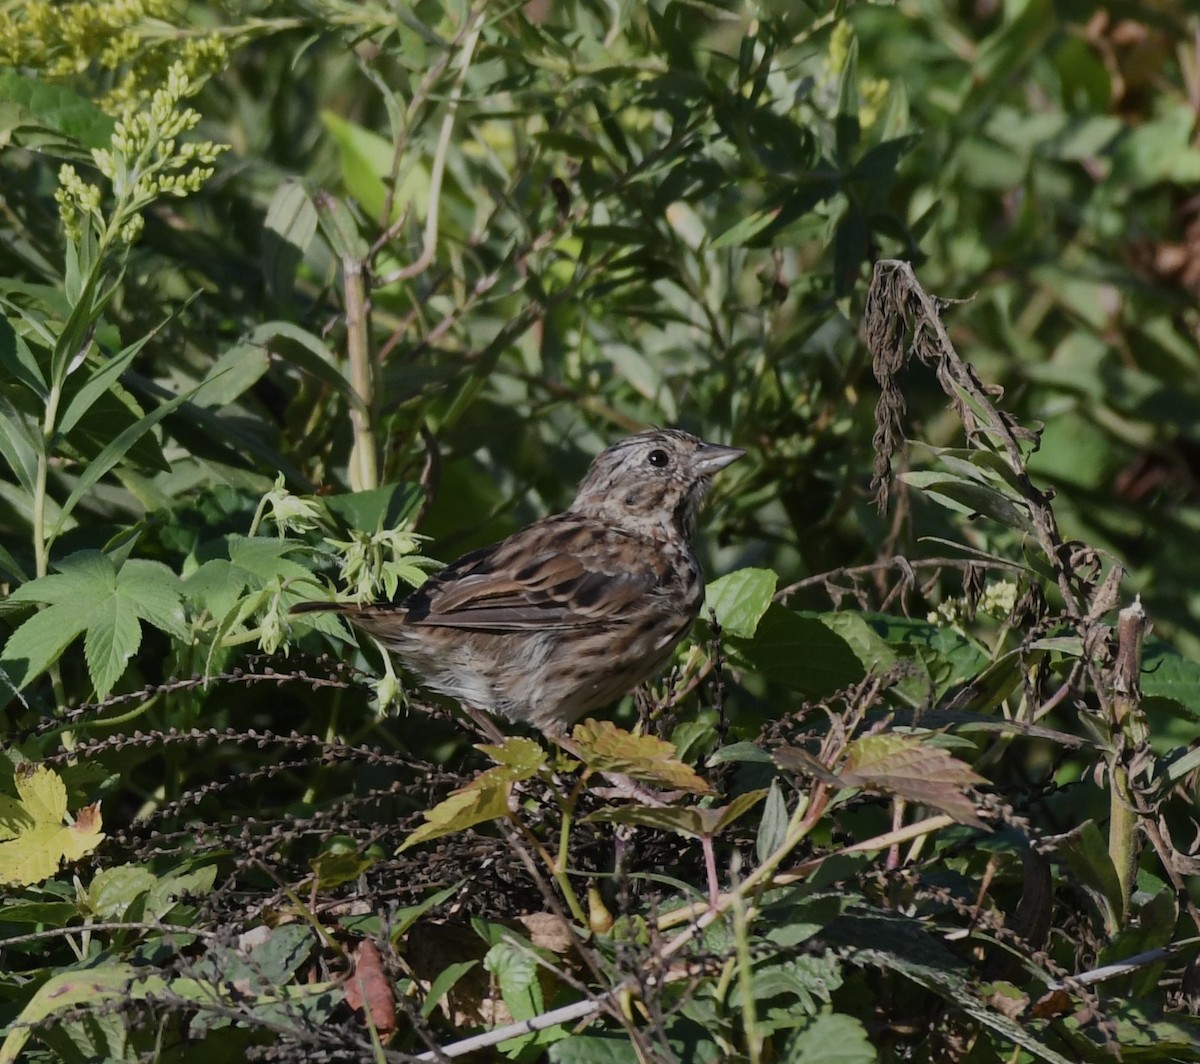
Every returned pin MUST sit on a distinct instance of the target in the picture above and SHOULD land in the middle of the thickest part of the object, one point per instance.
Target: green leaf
(90, 594)
(366, 160)
(966, 497)
(63, 992)
(772, 829)
(1168, 674)
(20, 445)
(371, 511)
(114, 890)
(97, 384)
(53, 107)
(743, 231)
(1086, 854)
(444, 983)
(307, 352)
(111, 455)
(410, 914)
(268, 964)
(848, 129)
(288, 230)
(164, 895)
(113, 636)
(515, 968)
(17, 359)
(334, 869)
(39, 642)
(831, 1038)
(740, 599)
(800, 651)
(232, 375)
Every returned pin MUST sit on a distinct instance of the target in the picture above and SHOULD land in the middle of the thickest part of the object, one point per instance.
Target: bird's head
(653, 480)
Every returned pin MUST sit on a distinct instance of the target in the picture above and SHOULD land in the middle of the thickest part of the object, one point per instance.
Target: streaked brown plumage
(573, 611)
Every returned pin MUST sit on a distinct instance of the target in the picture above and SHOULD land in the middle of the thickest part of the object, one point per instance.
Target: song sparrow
(573, 611)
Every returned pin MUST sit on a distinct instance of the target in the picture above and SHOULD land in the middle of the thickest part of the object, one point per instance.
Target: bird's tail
(320, 607)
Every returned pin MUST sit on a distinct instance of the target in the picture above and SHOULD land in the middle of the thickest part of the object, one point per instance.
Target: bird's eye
(659, 458)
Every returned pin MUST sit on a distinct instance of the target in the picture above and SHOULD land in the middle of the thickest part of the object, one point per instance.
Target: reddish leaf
(911, 767)
(369, 990)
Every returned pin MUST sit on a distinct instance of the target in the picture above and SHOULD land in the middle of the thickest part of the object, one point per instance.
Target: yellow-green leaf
(486, 796)
(461, 810)
(37, 832)
(606, 748)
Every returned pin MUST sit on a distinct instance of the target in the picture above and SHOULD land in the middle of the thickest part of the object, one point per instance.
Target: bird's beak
(712, 458)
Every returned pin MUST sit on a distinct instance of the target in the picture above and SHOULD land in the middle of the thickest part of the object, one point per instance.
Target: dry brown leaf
(370, 990)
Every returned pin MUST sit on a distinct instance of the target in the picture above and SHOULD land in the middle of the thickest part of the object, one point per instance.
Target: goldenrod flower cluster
(136, 40)
(872, 92)
(145, 160)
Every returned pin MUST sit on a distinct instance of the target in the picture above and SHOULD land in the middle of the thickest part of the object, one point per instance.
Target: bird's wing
(545, 576)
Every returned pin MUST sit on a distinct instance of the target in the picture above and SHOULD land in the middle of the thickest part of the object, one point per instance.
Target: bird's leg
(483, 724)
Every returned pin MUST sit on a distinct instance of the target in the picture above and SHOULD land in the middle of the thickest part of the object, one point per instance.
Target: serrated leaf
(606, 748)
(113, 636)
(740, 599)
(83, 576)
(515, 968)
(913, 768)
(39, 642)
(830, 1038)
(155, 593)
(91, 595)
(219, 584)
(36, 838)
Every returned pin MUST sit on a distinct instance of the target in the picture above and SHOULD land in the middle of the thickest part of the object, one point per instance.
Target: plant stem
(1129, 727)
(364, 460)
